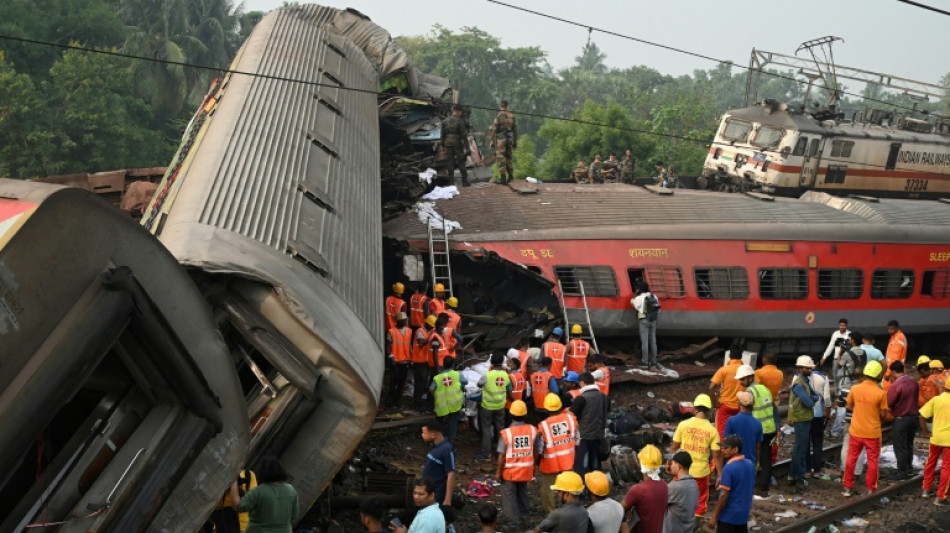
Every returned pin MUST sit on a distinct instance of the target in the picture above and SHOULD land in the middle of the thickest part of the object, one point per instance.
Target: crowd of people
(543, 416)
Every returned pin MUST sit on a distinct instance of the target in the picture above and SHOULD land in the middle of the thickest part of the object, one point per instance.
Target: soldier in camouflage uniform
(661, 175)
(579, 174)
(593, 175)
(610, 169)
(504, 135)
(454, 142)
(628, 167)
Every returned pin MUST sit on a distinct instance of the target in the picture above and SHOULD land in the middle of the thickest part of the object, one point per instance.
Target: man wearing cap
(938, 375)
(815, 457)
(436, 304)
(868, 403)
(601, 373)
(801, 405)
(725, 378)
(423, 361)
(606, 514)
(455, 141)
(926, 389)
(447, 391)
(496, 387)
(570, 388)
(542, 382)
(556, 351)
(648, 498)
(938, 409)
(902, 401)
(577, 351)
(683, 495)
(517, 455)
(570, 517)
(395, 304)
(504, 135)
(736, 488)
(746, 425)
(399, 342)
(766, 412)
(557, 437)
(451, 309)
(698, 437)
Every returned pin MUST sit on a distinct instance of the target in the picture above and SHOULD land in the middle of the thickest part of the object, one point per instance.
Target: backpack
(652, 306)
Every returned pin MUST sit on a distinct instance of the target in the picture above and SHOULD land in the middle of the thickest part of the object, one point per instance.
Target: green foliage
(525, 160)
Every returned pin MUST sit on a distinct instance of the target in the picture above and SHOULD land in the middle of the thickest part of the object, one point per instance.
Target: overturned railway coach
(751, 266)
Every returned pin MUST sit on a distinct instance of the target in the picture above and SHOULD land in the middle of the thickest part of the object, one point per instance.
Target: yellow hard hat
(452, 302)
(650, 457)
(703, 400)
(922, 360)
(398, 288)
(438, 288)
(936, 363)
(552, 402)
(576, 329)
(568, 481)
(430, 320)
(873, 369)
(518, 408)
(597, 483)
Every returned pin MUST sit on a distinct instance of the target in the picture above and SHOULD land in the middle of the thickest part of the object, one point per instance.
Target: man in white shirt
(834, 346)
(647, 326)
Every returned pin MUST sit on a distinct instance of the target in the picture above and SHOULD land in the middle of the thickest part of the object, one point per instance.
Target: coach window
(597, 280)
(800, 146)
(813, 147)
(841, 148)
(892, 283)
(666, 281)
(783, 283)
(935, 283)
(840, 283)
(721, 283)
(836, 173)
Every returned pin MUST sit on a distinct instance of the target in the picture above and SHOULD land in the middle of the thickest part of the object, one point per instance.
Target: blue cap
(557, 331)
(571, 377)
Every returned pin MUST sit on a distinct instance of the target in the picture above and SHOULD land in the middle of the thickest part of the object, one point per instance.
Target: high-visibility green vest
(448, 393)
(797, 412)
(495, 390)
(762, 407)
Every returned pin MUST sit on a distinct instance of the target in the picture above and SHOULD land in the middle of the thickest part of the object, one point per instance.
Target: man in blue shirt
(439, 467)
(746, 426)
(871, 353)
(429, 518)
(736, 486)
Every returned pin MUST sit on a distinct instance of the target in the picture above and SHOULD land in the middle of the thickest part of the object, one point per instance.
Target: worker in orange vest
(601, 374)
(399, 341)
(437, 344)
(542, 382)
(517, 455)
(423, 364)
(451, 337)
(577, 350)
(451, 309)
(417, 307)
(394, 304)
(436, 304)
(558, 436)
(519, 383)
(896, 350)
(570, 388)
(556, 351)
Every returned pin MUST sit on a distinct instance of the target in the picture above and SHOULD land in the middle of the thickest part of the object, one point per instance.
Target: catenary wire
(223, 70)
(925, 6)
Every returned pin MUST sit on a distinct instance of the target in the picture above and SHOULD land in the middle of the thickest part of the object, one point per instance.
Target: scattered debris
(785, 514)
(428, 215)
(442, 193)
(856, 521)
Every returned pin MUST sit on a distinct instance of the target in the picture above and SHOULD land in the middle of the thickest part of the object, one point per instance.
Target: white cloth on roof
(442, 193)
(428, 215)
(427, 175)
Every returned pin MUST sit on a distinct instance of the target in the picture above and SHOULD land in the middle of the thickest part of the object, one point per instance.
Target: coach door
(810, 163)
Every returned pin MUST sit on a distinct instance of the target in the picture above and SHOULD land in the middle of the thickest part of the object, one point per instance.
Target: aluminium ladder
(567, 324)
(439, 264)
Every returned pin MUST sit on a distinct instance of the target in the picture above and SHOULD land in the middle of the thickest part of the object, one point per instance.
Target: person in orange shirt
(938, 376)
(896, 350)
(770, 376)
(868, 402)
(926, 388)
(395, 304)
(556, 351)
(725, 378)
(577, 351)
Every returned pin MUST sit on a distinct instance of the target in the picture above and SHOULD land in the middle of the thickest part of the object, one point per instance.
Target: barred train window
(841, 148)
(666, 281)
(935, 283)
(721, 283)
(597, 280)
(895, 283)
(783, 283)
(840, 283)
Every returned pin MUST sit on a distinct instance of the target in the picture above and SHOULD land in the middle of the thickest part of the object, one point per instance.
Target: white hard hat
(806, 361)
(512, 353)
(744, 372)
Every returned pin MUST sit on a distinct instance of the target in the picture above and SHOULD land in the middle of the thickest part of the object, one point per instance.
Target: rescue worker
(399, 341)
(725, 379)
(504, 135)
(628, 167)
(542, 382)
(447, 391)
(766, 412)
(601, 374)
(698, 437)
(927, 388)
(579, 174)
(593, 172)
(648, 498)
(591, 409)
(553, 349)
(557, 436)
(453, 338)
(418, 303)
(423, 362)
(436, 305)
(577, 351)
(938, 375)
(606, 513)
(801, 411)
(438, 346)
(519, 382)
(395, 304)
(451, 309)
(773, 378)
(570, 516)
(517, 455)
(570, 387)
(745, 424)
(938, 409)
(610, 169)
(495, 388)
(454, 139)
(868, 404)
(896, 350)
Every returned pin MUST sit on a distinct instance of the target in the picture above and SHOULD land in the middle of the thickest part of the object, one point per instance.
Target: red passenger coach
(722, 264)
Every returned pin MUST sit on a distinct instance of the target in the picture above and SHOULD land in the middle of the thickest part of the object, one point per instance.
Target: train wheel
(702, 183)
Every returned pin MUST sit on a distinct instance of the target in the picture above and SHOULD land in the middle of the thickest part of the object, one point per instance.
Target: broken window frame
(935, 282)
(721, 283)
(599, 280)
(886, 283)
(840, 283)
(665, 281)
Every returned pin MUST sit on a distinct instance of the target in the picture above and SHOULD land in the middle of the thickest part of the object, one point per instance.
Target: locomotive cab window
(936, 283)
(813, 147)
(666, 281)
(783, 283)
(768, 137)
(800, 146)
(840, 283)
(892, 283)
(721, 283)
(736, 130)
(597, 280)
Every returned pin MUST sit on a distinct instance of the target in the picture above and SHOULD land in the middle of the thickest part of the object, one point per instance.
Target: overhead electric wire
(590, 28)
(925, 6)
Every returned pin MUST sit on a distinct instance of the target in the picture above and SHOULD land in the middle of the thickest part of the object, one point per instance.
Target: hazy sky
(880, 35)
